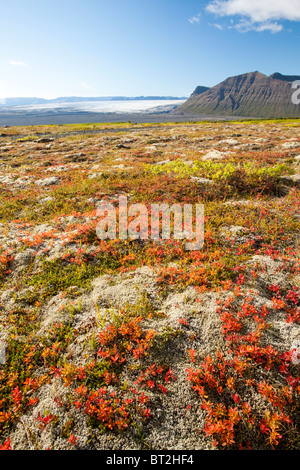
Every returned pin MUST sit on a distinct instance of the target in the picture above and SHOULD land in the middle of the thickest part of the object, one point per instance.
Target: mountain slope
(252, 94)
(199, 90)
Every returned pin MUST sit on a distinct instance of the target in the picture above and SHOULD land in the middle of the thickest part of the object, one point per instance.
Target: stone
(94, 175)
(44, 140)
(47, 181)
(228, 142)
(203, 181)
(291, 179)
(234, 230)
(46, 199)
(122, 146)
(290, 145)
(25, 257)
(214, 155)
(163, 162)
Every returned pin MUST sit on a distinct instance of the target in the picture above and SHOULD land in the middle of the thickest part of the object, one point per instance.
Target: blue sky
(54, 48)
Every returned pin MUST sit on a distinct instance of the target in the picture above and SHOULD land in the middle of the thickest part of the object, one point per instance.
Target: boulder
(47, 181)
(214, 155)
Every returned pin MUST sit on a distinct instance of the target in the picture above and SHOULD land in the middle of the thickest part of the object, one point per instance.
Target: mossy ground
(211, 334)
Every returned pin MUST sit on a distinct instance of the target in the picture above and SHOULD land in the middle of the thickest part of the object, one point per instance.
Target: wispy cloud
(195, 19)
(218, 26)
(85, 85)
(257, 15)
(17, 63)
(244, 26)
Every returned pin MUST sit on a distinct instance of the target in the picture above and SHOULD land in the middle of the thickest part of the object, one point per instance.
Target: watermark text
(137, 222)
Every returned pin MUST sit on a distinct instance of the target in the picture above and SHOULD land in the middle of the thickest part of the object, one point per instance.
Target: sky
(54, 48)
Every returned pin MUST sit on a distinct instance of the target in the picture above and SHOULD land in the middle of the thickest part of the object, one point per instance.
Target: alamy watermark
(296, 94)
(295, 358)
(137, 222)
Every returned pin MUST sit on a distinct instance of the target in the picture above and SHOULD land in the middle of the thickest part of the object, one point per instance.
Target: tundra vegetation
(132, 344)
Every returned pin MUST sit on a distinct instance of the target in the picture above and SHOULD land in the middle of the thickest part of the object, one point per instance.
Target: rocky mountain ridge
(249, 95)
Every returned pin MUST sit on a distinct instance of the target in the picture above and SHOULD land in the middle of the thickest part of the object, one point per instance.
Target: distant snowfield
(119, 107)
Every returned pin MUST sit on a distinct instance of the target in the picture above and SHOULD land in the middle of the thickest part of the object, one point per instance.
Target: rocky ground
(137, 344)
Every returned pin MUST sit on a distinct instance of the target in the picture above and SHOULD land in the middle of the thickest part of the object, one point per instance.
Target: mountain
(22, 101)
(77, 99)
(199, 90)
(249, 95)
(285, 78)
